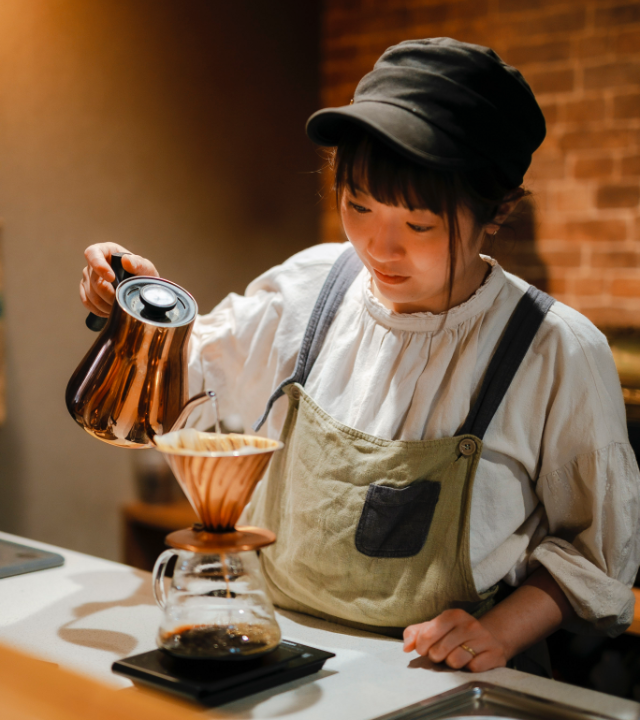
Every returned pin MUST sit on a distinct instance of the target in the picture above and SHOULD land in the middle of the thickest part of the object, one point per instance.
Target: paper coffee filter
(218, 473)
(191, 441)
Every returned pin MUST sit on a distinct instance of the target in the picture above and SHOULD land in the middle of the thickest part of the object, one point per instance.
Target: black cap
(445, 104)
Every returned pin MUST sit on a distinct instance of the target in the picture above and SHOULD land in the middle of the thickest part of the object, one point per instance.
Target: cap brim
(408, 133)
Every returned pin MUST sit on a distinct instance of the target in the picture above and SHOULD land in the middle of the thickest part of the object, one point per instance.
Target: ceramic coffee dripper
(216, 606)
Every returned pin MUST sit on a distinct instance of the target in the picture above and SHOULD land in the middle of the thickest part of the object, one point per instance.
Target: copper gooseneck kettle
(132, 384)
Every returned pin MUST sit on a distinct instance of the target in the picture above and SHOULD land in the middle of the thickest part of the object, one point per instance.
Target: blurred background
(173, 128)
(177, 129)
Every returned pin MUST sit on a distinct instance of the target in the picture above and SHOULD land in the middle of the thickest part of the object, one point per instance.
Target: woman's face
(407, 253)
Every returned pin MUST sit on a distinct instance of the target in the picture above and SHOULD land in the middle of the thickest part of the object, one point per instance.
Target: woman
(457, 467)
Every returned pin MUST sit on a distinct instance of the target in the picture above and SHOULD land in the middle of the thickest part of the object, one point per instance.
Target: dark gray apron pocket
(395, 522)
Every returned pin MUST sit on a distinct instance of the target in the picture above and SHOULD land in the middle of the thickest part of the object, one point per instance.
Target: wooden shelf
(635, 625)
(172, 516)
(145, 527)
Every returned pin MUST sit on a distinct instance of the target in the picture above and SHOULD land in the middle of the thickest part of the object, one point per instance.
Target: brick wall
(578, 236)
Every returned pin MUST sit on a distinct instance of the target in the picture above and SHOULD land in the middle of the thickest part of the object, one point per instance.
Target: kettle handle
(93, 322)
(159, 569)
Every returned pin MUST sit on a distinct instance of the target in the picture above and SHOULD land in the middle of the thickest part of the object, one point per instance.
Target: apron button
(467, 446)
(295, 393)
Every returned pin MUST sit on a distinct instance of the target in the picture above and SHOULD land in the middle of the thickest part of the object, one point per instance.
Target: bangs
(363, 163)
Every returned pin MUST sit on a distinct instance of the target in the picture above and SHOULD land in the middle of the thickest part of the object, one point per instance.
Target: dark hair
(363, 162)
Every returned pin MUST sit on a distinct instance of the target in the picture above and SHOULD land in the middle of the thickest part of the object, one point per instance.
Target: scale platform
(215, 682)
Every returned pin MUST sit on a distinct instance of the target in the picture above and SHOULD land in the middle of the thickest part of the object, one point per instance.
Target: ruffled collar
(478, 303)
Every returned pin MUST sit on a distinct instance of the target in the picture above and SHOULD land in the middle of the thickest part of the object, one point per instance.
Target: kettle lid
(156, 301)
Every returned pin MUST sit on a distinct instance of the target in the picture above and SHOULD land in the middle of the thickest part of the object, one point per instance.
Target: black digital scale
(214, 682)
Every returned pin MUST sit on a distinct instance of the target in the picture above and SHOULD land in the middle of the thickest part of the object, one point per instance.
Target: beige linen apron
(372, 532)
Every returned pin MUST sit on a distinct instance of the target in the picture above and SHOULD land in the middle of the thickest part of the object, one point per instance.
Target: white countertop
(90, 612)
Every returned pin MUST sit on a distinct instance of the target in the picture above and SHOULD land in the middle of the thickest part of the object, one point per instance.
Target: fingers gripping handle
(159, 570)
(93, 322)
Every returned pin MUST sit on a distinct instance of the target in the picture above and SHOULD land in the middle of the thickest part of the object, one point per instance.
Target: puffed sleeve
(592, 496)
(249, 343)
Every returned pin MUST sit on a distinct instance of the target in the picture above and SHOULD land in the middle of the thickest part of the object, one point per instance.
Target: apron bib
(374, 533)
(371, 531)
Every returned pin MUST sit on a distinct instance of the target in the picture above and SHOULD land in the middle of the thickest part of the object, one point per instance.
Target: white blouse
(557, 484)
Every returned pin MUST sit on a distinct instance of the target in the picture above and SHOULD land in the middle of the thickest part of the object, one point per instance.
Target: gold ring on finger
(471, 651)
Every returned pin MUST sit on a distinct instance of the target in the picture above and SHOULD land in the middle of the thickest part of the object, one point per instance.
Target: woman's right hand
(96, 291)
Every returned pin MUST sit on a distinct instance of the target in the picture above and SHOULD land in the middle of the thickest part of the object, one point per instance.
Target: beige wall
(175, 128)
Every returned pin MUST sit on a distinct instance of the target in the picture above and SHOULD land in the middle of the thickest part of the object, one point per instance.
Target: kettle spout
(193, 403)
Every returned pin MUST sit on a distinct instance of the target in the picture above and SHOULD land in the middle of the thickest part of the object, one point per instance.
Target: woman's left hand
(442, 640)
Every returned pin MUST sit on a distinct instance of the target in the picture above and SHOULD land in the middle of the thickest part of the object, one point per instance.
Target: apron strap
(339, 280)
(517, 338)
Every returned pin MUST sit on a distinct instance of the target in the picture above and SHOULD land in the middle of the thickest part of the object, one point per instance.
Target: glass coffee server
(216, 606)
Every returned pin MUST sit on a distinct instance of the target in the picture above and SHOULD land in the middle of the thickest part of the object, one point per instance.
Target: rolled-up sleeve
(231, 351)
(248, 344)
(593, 549)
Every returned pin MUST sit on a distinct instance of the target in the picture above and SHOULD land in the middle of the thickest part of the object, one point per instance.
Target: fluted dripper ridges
(218, 473)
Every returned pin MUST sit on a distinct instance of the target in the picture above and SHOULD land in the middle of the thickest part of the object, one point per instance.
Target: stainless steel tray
(485, 700)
